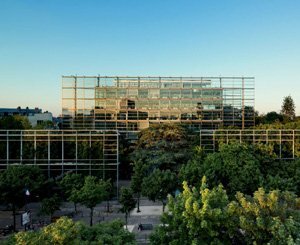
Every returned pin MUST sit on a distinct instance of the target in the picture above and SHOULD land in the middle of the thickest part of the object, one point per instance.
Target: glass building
(130, 104)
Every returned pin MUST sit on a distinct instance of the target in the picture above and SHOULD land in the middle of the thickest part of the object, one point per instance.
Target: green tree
(137, 180)
(282, 175)
(10, 122)
(65, 231)
(71, 183)
(108, 194)
(15, 122)
(196, 216)
(14, 181)
(288, 108)
(91, 194)
(163, 146)
(268, 218)
(50, 205)
(206, 216)
(192, 171)
(239, 167)
(127, 201)
(158, 185)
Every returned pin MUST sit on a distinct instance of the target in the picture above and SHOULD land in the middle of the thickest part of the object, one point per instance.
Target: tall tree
(196, 216)
(137, 180)
(108, 193)
(158, 185)
(71, 183)
(14, 182)
(163, 146)
(92, 193)
(288, 108)
(127, 201)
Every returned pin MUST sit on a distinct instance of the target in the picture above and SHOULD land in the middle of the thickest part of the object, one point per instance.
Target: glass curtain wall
(134, 103)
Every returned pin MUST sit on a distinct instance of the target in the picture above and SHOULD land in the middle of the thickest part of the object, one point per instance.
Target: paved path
(150, 214)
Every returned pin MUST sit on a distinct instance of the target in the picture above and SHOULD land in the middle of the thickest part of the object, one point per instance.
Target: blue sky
(42, 40)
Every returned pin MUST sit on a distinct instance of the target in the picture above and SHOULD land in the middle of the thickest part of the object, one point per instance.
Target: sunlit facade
(130, 104)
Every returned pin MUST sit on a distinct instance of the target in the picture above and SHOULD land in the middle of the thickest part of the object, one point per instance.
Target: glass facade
(133, 103)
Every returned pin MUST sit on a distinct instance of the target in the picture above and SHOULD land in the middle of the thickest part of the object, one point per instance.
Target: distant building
(40, 118)
(35, 116)
(19, 111)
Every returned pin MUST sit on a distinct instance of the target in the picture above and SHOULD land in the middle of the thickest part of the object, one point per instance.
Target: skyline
(41, 41)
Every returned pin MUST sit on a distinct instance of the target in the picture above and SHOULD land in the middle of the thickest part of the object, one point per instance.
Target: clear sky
(43, 39)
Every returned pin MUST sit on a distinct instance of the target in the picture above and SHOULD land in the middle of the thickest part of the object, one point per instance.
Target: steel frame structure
(285, 143)
(61, 151)
(129, 104)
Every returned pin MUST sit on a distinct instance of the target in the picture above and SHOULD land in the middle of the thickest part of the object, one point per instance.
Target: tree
(10, 122)
(71, 183)
(282, 175)
(91, 194)
(163, 146)
(108, 233)
(158, 185)
(108, 193)
(205, 216)
(15, 122)
(196, 216)
(14, 181)
(66, 231)
(192, 171)
(268, 218)
(50, 205)
(137, 180)
(288, 108)
(239, 167)
(127, 201)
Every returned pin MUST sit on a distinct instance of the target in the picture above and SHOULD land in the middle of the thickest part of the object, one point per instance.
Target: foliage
(45, 125)
(288, 108)
(278, 125)
(65, 231)
(160, 151)
(282, 175)
(269, 118)
(71, 183)
(127, 201)
(206, 216)
(158, 185)
(245, 168)
(50, 205)
(192, 171)
(107, 233)
(93, 192)
(15, 180)
(236, 166)
(196, 217)
(137, 180)
(268, 218)
(15, 122)
(108, 194)
(163, 146)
